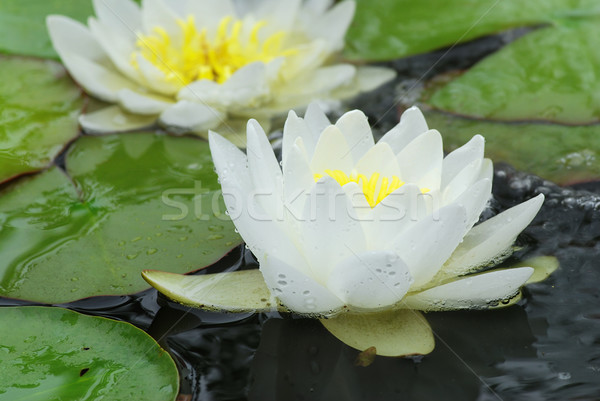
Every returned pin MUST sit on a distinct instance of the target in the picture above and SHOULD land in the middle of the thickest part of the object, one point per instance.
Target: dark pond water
(545, 348)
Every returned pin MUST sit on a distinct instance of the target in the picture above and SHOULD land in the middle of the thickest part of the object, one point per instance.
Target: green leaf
(543, 267)
(389, 29)
(240, 291)
(559, 153)
(40, 105)
(23, 24)
(550, 74)
(131, 202)
(393, 333)
(53, 354)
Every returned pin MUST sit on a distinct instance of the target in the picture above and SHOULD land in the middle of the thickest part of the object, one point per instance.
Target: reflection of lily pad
(23, 25)
(389, 29)
(559, 153)
(551, 74)
(54, 354)
(38, 114)
(131, 208)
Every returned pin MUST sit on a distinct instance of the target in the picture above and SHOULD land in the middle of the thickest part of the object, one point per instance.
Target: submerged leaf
(240, 291)
(393, 333)
(55, 354)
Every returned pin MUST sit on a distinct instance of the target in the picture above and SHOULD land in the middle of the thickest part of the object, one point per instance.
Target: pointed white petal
(317, 6)
(357, 131)
(316, 120)
(319, 82)
(462, 180)
(156, 13)
(297, 290)
(112, 119)
(461, 158)
(493, 238)
(122, 17)
(332, 152)
(369, 78)
(412, 124)
(294, 128)
(137, 103)
(71, 37)
(279, 14)
(155, 78)
(422, 156)
(370, 280)
(298, 178)
(474, 199)
(330, 229)
(473, 292)
(378, 159)
(426, 245)
(332, 25)
(209, 13)
(187, 116)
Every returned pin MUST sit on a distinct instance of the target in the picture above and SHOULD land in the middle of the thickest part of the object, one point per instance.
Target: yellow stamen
(374, 188)
(196, 57)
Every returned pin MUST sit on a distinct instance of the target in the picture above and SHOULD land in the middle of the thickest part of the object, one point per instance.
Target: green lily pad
(240, 291)
(23, 24)
(550, 74)
(393, 333)
(40, 105)
(390, 29)
(563, 154)
(54, 354)
(129, 202)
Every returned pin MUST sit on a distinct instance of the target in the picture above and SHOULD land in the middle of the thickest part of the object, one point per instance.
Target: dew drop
(184, 238)
(136, 239)
(132, 256)
(214, 228)
(215, 237)
(151, 251)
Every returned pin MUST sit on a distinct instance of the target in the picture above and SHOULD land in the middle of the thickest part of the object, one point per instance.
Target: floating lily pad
(559, 153)
(53, 354)
(392, 333)
(38, 116)
(23, 24)
(129, 202)
(389, 29)
(551, 74)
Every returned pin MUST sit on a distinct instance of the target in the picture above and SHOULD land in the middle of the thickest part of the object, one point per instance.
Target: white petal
(297, 290)
(156, 13)
(306, 57)
(422, 156)
(279, 14)
(487, 170)
(429, 243)
(122, 17)
(411, 125)
(332, 25)
(332, 152)
(359, 202)
(370, 280)
(209, 13)
(316, 120)
(317, 83)
(462, 180)
(330, 230)
(379, 159)
(317, 6)
(461, 157)
(294, 128)
(265, 171)
(474, 200)
(112, 119)
(472, 292)
(369, 78)
(357, 131)
(492, 239)
(137, 103)
(297, 178)
(71, 37)
(155, 78)
(187, 116)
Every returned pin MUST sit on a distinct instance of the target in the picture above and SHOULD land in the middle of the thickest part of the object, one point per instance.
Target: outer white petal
(492, 239)
(379, 159)
(71, 37)
(307, 57)
(294, 128)
(244, 88)
(357, 131)
(460, 158)
(332, 25)
(370, 280)
(317, 6)
(122, 17)
(209, 13)
(187, 116)
(332, 152)
(471, 292)
(280, 15)
(264, 169)
(316, 83)
(360, 204)
(296, 290)
(155, 78)
(462, 181)
(411, 125)
(156, 13)
(421, 156)
(316, 120)
(297, 178)
(112, 119)
(135, 102)
(369, 78)
(330, 229)
(474, 200)
(429, 243)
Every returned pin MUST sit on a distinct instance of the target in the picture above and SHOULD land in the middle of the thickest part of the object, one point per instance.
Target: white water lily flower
(191, 64)
(344, 223)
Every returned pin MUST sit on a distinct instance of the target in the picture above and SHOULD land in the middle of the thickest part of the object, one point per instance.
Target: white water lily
(193, 64)
(347, 224)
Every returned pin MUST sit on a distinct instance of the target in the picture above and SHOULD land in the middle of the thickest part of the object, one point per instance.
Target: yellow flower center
(375, 187)
(196, 57)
